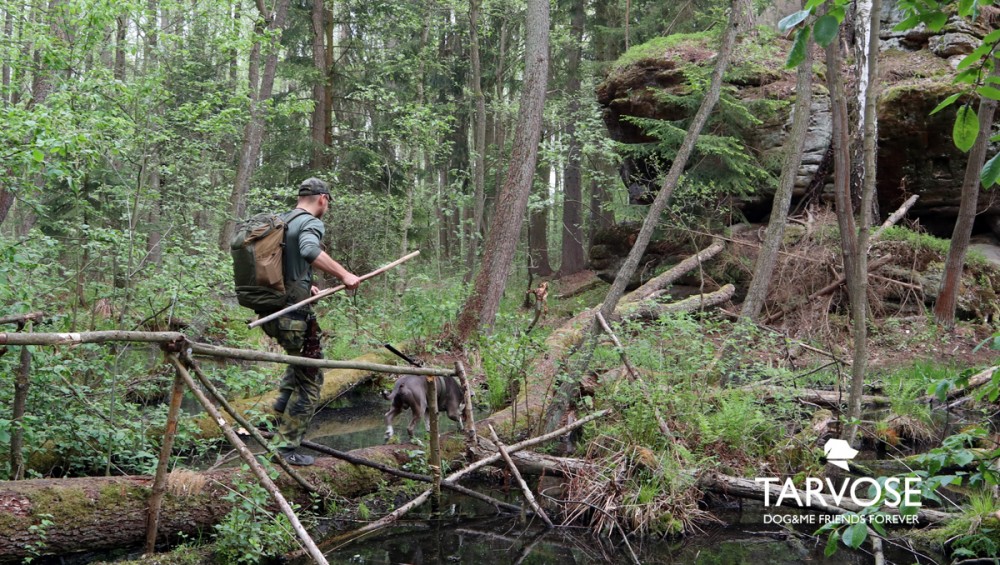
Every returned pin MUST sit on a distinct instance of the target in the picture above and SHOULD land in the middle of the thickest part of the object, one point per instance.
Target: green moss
(66, 505)
(121, 494)
(661, 46)
(926, 88)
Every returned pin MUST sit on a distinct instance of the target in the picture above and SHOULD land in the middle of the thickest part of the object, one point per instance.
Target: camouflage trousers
(298, 334)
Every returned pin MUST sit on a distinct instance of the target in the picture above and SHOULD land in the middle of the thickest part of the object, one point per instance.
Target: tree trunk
(795, 143)
(154, 248)
(859, 298)
(538, 225)
(944, 307)
(100, 513)
(8, 34)
(572, 257)
(319, 115)
(21, 384)
(600, 218)
(480, 310)
(120, 34)
(253, 133)
(479, 143)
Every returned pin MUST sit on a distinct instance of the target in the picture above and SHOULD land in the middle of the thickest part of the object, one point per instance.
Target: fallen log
(396, 514)
(532, 400)
(651, 310)
(813, 396)
(502, 449)
(975, 381)
(100, 513)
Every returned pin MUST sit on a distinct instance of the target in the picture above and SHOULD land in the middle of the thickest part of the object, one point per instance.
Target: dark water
(468, 531)
(468, 539)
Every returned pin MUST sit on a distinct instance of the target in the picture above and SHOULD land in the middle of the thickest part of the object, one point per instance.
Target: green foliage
(39, 531)
(724, 163)
(505, 361)
(250, 532)
(966, 128)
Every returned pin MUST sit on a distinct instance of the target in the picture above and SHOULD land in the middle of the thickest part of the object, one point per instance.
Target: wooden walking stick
(329, 291)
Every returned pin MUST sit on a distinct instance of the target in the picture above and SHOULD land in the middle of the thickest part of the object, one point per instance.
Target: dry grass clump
(181, 482)
(636, 492)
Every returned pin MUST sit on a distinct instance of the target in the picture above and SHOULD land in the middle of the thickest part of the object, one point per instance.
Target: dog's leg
(389, 416)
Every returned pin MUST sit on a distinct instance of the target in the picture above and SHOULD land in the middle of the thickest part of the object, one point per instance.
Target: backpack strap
(284, 238)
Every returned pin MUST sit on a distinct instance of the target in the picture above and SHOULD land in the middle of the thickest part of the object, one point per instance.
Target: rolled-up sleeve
(310, 238)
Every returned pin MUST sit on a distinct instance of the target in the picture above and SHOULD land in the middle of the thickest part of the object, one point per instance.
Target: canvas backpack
(257, 248)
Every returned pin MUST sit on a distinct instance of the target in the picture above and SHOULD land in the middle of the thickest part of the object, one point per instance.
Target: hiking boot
(281, 402)
(296, 458)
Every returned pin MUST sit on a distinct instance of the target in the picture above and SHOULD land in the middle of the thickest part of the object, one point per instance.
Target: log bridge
(28, 537)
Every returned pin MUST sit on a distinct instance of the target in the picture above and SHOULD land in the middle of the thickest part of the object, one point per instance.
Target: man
(297, 332)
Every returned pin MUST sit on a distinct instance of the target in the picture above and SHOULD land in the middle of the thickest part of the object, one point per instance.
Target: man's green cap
(312, 186)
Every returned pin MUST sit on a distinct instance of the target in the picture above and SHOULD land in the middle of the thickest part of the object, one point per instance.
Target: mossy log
(100, 513)
(336, 382)
(531, 402)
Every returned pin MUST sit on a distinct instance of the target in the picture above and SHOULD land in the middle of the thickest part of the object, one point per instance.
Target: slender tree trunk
(480, 310)
(479, 142)
(8, 34)
(572, 257)
(794, 145)
(234, 53)
(599, 217)
(859, 307)
(253, 133)
(319, 125)
(153, 243)
(538, 225)
(21, 384)
(121, 32)
(329, 74)
(944, 307)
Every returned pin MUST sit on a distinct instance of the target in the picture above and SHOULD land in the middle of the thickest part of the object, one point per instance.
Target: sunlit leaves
(798, 52)
(790, 21)
(826, 29)
(945, 103)
(966, 128)
(991, 172)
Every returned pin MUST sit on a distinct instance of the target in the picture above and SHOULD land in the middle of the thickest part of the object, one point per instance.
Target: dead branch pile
(634, 492)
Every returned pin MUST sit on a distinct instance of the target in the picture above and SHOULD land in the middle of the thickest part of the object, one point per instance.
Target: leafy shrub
(250, 533)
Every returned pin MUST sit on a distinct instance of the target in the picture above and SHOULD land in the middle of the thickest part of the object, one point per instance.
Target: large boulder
(916, 154)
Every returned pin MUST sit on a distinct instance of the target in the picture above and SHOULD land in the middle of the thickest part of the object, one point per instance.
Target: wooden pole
(520, 481)
(470, 424)
(329, 291)
(249, 355)
(22, 382)
(435, 439)
(246, 425)
(205, 349)
(249, 459)
(160, 480)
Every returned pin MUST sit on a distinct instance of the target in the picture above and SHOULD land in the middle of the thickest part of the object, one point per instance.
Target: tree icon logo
(839, 452)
